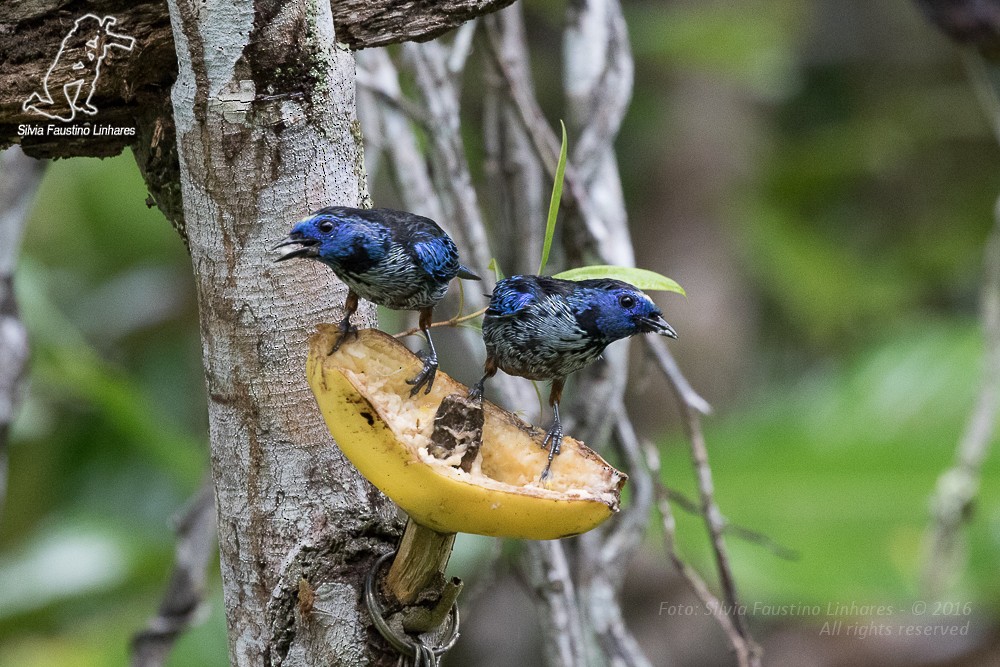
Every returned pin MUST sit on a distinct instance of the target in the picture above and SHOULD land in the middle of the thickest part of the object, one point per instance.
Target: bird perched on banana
(535, 327)
(544, 328)
(395, 259)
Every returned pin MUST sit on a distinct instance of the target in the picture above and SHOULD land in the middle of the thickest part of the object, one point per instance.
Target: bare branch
(598, 78)
(546, 144)
(511, 163)
(958, 487)
(547, 571)
(609, 549)
(409, 168)
(452, 177)
(746, 648)
(694, 580)
(20, 177)
(461, 48)
(182, 601)
(685, 392)
(391, 95)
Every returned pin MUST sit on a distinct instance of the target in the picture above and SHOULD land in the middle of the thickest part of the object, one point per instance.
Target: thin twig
(665, 360)
(453, 322)
(399, 142)
(181, 605)
(742, 532)
(392, 97)
(958, 486)
(452, 177)
(608, 550)
(747, 649)
(690, 575)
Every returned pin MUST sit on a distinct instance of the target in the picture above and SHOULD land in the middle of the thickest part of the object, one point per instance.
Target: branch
(399, 142)
(511, 163)
(20, 177)
(546, 144)
(182, 601)
(450, 167)
(129, 82)
(598, 79)
(733, 622)
(551, 583)
(958, 486)
(609, 549)
(694, 580)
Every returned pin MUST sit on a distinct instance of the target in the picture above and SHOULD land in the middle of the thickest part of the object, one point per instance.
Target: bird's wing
(438, 257)
(507, 302)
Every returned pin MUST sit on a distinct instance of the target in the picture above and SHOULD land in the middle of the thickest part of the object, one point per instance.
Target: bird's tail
(466, 273)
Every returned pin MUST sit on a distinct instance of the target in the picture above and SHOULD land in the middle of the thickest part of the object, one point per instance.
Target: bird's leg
(426, 375)
(476, 393)
(350, 307)
(553, 439)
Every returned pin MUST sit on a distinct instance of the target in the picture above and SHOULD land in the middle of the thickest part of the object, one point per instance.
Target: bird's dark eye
(326, 226)
(626, 301)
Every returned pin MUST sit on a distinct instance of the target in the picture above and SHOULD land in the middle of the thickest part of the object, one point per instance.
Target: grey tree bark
(293, 513)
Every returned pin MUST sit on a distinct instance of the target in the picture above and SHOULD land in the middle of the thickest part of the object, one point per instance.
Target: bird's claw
(344, 334)
(476, 393)
(346, 329)
(552, 442)
(425, 377)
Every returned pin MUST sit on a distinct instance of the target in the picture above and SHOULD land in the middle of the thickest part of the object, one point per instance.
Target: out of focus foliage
(817, 175)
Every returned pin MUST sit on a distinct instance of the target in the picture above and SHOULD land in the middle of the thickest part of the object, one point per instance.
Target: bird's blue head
(331, 235)
(619, 310)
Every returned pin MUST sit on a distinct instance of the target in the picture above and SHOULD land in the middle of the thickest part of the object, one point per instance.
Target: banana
(362, 394)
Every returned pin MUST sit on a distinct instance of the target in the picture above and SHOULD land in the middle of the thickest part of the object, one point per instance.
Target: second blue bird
(392, 258)
(544, 328)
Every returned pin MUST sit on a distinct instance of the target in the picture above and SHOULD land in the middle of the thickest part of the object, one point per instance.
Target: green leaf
(557, 188)
(641, 278)
(494, 266)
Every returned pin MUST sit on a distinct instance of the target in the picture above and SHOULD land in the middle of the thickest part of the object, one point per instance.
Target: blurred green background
(817, 175)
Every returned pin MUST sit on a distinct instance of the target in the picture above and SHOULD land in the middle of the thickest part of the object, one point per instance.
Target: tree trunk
(290, 507)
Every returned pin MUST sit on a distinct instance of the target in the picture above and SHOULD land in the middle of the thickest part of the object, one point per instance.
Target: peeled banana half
(390, 437)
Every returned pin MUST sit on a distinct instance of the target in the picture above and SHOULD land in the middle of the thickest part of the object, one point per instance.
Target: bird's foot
(425, 376)
(476, 392)
(552, 442)
(345, 330)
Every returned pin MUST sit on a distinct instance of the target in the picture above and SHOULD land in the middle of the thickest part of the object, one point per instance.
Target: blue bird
(544, 328)
(392, 258)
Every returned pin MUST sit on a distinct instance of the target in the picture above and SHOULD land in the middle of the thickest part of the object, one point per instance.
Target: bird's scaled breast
(539, 348)
(399, 288)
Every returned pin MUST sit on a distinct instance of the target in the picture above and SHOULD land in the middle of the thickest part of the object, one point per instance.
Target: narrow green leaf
(557, 188)
(494, 266)
(641, 278)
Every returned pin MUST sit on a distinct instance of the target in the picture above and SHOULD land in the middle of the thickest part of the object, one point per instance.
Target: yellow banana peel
(362, 393)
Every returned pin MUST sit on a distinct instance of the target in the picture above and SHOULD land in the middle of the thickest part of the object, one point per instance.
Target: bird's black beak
(656, 324)
(307, 247)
